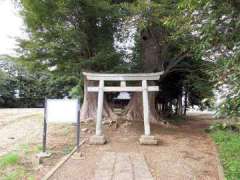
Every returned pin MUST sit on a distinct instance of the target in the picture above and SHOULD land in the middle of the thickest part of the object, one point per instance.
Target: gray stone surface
(140, 168)
(97, 140)
(148, 140)
(104, 167)
(122, 166)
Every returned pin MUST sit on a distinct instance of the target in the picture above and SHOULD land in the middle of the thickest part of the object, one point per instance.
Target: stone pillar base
(97, 140)
(148, 140)
(41, 156)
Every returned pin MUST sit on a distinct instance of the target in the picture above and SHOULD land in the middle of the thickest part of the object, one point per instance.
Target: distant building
(122, 99)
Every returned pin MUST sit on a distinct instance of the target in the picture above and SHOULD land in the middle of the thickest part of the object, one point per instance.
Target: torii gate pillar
(99, 138)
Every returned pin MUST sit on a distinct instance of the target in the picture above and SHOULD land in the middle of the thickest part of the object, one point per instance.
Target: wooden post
(100, 108)
(145, 108)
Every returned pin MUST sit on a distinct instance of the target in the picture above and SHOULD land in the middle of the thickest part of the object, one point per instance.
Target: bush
(223, 126)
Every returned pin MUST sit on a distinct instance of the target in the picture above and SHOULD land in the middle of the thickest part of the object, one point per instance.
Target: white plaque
(62, 110)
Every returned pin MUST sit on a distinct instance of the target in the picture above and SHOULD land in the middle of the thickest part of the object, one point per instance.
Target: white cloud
(11, 26)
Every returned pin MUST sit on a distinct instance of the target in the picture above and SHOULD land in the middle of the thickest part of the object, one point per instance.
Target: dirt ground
(19, 126)
(21, 132)
(184, 152)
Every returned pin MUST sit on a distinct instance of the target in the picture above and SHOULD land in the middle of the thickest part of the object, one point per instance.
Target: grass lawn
(18, 165)
(229, 148)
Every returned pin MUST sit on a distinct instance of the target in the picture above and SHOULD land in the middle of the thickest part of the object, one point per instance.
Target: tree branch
(175, 60)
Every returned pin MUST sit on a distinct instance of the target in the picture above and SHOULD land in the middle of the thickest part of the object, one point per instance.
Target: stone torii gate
(99, 138)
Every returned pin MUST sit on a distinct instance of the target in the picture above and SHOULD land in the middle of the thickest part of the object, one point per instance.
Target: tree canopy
(196, 44)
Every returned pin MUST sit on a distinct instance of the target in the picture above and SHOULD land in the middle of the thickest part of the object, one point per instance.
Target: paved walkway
(118, 166)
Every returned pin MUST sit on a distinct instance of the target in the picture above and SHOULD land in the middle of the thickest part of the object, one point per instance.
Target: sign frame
(45, 124)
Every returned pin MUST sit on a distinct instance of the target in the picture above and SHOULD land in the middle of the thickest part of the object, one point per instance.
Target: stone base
(97, 140)
(148, 140)
(44, 155)
(41, 156)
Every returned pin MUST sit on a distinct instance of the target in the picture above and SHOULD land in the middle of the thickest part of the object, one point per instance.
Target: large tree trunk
(89, 107)
(134, 110)
(152, 48)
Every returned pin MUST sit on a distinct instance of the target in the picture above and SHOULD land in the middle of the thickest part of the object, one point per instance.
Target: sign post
(78, 126)
(45, 126)
(60, 111)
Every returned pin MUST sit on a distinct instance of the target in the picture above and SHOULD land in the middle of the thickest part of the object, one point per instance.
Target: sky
(11, 26)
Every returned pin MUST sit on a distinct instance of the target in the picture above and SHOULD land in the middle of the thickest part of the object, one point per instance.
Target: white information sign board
(62, 110)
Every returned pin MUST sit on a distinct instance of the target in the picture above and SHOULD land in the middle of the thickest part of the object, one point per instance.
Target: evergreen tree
(189, 40)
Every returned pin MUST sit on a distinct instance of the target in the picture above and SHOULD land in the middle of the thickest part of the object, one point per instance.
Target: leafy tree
(7, 86)
(67, 37)
(167, 43)
(194, 42)
(216, 26)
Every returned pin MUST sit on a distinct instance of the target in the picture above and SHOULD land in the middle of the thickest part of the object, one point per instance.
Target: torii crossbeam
(99, 138)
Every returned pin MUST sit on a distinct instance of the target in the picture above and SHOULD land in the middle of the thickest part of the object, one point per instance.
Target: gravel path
(18, 127)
